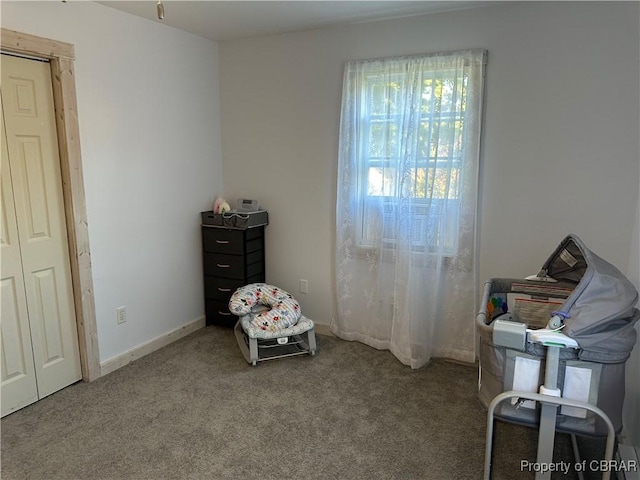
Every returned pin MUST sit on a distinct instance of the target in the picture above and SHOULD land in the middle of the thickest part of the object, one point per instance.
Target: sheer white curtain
(406, 205)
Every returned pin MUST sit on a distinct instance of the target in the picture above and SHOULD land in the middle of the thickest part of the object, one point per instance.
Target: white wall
(560, 149)
(148, 106)
(561, 136)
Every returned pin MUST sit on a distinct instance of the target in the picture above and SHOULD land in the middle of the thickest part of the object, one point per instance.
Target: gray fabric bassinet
(597, 303)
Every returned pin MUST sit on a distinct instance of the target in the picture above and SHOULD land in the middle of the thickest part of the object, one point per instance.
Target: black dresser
(232, 257)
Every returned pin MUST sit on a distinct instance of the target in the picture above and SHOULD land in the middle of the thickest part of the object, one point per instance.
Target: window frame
(429, 163)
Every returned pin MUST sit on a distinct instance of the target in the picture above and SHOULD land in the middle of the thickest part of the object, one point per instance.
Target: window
(410, 118)
(435, 171)
(407, 183)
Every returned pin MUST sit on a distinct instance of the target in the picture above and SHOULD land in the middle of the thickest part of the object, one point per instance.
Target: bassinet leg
(546, 438)
(548, 412)
(576, 454)
(489, 441)
(546, 399)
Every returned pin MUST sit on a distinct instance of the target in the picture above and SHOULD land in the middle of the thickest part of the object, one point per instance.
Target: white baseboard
(140, 351)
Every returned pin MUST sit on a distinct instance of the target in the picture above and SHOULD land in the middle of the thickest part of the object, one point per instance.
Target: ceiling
(229, 20)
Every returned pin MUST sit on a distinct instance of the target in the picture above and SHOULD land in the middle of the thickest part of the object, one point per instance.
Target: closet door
(34, 166)
(18, 373)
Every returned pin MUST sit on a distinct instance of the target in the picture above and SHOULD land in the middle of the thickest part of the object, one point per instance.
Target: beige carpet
(197, 410)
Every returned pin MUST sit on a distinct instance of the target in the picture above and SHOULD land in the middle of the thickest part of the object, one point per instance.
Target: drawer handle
(224, 242)
(224, 289)
(224, 313)
(222, 265)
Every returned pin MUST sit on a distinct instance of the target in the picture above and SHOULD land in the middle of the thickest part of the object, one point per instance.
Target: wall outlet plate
(121, 314)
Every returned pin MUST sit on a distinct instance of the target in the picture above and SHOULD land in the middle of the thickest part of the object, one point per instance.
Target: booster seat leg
(311, 338)
(253, 351)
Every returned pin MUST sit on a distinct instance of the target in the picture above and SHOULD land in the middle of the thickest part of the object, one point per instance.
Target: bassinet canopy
(600, 312)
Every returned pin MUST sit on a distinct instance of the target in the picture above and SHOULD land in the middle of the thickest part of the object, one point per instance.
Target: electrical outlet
(121, 314)
(304, 286)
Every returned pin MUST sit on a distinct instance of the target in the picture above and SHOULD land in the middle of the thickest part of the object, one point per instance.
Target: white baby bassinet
(595, 303)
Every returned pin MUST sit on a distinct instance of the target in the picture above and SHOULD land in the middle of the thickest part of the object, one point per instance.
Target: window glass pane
(416, 180)
(382, 181)
(424, 136)
(422, 164)
(383, 138)
(447, 98)
(427, 96)
(443, 138)
(376, 101)
(384, 98)
(443, 183)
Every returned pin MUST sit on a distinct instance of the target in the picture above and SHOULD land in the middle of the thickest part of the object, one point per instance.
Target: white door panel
(39, 210)
(18, 379)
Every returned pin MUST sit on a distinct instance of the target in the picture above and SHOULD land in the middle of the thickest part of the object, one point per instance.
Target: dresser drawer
(217, 313)
(220, 240)
(218, 288)
(228, 266)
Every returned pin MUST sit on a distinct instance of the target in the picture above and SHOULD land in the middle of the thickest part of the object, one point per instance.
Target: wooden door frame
(61, 56)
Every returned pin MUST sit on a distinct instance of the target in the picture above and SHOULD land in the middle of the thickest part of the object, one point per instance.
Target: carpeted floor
(196, 410)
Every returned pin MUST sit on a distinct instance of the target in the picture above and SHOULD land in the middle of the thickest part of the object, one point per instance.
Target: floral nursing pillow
(284, 310)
